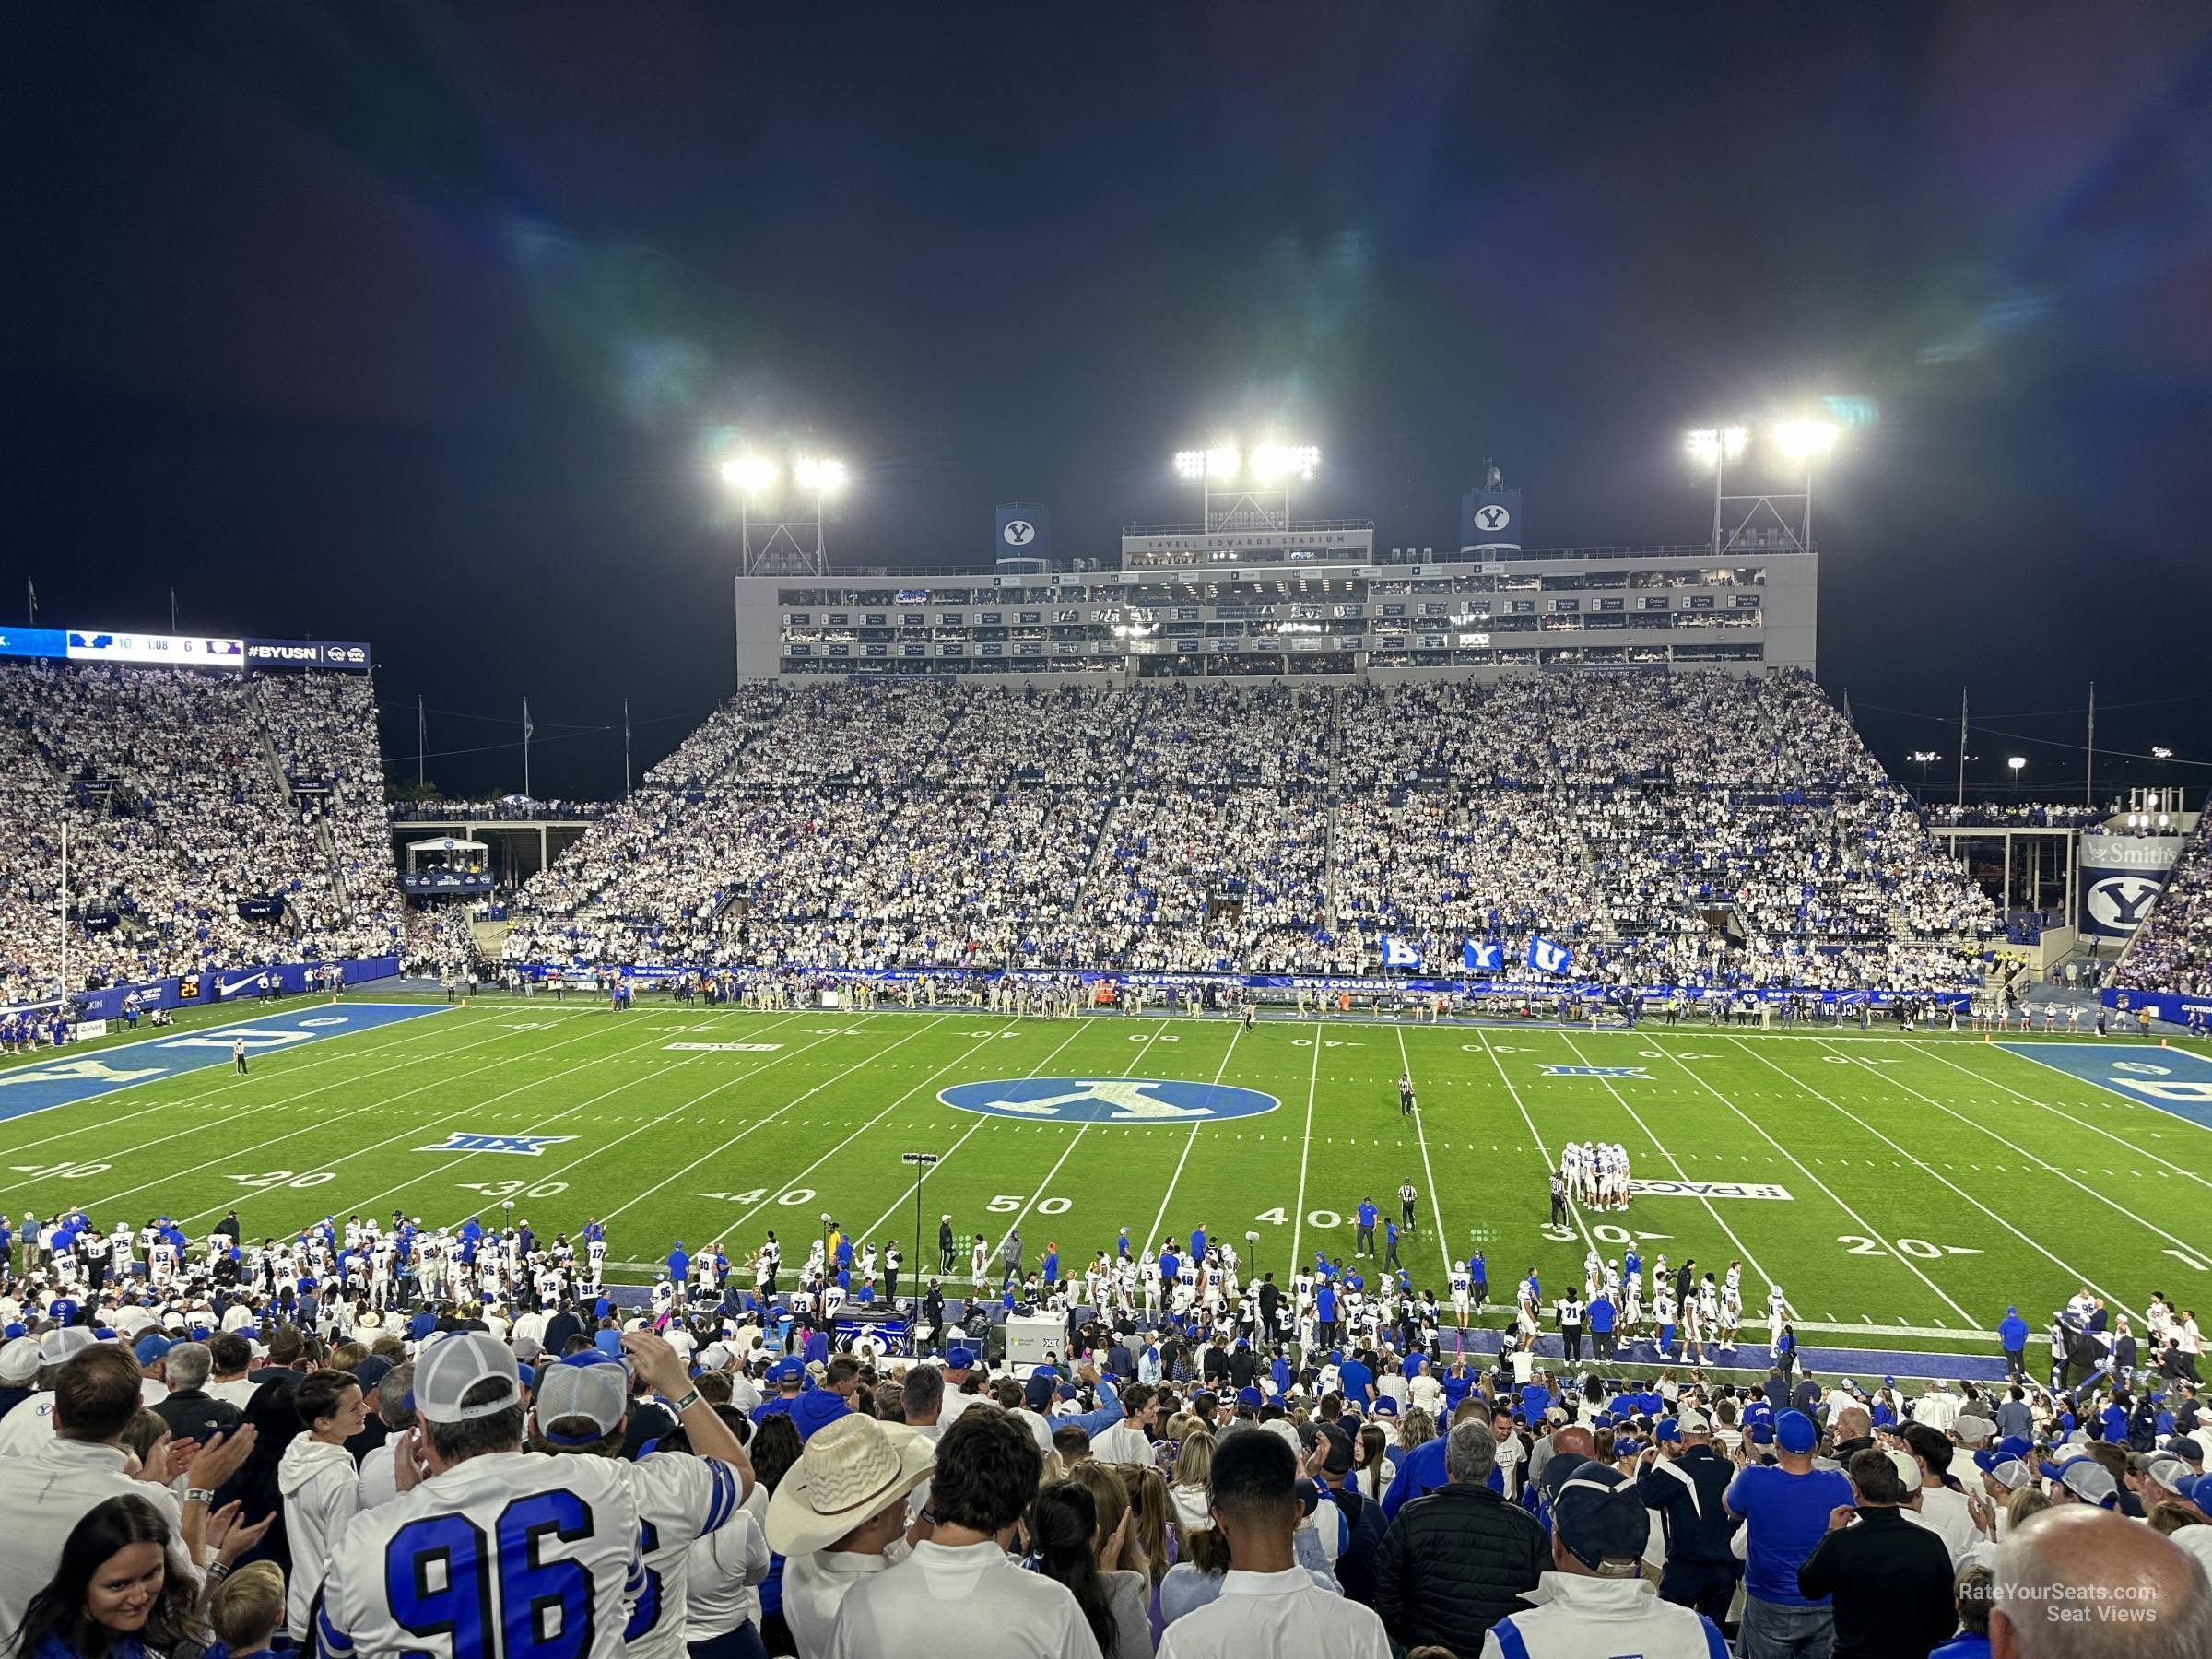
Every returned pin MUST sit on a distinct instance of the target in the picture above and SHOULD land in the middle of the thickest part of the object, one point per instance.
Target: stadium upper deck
(1311, 599)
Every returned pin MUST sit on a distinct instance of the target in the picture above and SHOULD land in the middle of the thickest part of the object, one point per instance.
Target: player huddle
(1596, 1173)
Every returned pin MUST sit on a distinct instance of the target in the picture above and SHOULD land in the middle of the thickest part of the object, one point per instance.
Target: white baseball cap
(447, 1370)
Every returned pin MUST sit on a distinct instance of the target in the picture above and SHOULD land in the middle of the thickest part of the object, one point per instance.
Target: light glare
(819, 474)
(751, 474)
(1190, 463)
(1222, 461)
(1802, 438)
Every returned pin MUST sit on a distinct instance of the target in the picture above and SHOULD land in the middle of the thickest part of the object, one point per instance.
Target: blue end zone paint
(2176, 1081)
(63, 1080)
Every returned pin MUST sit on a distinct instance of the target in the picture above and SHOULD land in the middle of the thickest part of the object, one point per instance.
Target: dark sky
(419, 324)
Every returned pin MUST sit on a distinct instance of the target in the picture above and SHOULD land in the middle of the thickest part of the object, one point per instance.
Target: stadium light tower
(792, 543)
(1801, 443)
(1246, 492)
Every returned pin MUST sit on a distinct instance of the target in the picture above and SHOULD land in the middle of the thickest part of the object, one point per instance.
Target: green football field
(1901, 1190)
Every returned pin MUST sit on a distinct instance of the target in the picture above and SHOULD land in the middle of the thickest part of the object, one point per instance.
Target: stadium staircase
(319, 830)
(1336, 783)
(1099, 840)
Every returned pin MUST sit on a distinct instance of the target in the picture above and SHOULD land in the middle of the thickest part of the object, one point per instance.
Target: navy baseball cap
(1599, 1515)
(1795, 1433)
(1248, 1396)
(1763, 1433)
(2012, 1448)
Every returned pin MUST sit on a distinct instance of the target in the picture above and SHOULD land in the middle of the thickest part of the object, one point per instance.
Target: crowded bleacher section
(1687, 830)
(213, 821)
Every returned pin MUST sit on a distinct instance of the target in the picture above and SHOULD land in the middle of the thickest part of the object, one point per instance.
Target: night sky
(423, 324)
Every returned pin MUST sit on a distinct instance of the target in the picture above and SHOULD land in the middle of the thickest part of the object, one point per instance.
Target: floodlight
(1274, 462)
(820, 476)
(1190, 463)
(1802, 439)
(751, 474)
(2015, 762)
(1703, 444)
(2158, 753)
(1222, 461)
(1733, 440)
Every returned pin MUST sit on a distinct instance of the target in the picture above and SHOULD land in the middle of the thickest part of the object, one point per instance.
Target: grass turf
(1931, 1180)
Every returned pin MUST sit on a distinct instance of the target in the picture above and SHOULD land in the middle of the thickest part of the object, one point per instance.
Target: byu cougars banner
(1025, 530)
(1549, 956)
(2121, 876)
(1490, 521)
(1400, 953)
(1487, 956)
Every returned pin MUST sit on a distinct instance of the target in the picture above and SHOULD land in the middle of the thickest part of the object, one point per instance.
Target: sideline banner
(222, 984)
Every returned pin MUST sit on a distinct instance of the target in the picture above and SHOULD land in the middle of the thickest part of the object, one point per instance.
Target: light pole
(1924, 759)
(1802, 440)
(753, 478)
(1715, 447)
(1264, 497)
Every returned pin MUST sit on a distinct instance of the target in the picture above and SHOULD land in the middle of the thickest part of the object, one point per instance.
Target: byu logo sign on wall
(1019, 533)
(1492, 517)
(2119, 904)
(1108, 1100)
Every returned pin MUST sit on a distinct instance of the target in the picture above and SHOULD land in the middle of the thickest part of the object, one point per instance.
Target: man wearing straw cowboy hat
(833, 1516)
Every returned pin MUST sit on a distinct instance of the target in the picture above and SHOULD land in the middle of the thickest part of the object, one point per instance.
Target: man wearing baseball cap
(462, 1475)
(581, 1411)
(1687, 1481)
(2080, 1480)
(1595, 1598)
(1787, 1505)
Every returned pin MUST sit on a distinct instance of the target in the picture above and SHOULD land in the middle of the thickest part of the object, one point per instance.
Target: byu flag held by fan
(1549, 956)
(1400, 953)
(1487, 956)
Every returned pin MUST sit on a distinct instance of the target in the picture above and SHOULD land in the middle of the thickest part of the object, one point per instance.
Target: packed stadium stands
(185, 794)
(1272, 828)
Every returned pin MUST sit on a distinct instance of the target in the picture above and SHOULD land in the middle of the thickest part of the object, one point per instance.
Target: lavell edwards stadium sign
(2121, 876)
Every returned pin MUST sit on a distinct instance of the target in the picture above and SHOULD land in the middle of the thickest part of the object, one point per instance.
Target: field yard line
(403, 1030)
(1868, 1129)
(980, 1120)
(1742, 1248)
(2083, 1123)
(2196, 1249)
(1436, 1202)
(727, 1229)
(1305, 1148)
(430, 1127)
(1152, 1239)
(706, 1094)
(401, 1027)
(1074, 1142)
(1550, 1165)
(251, 1111)
(1864, 1225)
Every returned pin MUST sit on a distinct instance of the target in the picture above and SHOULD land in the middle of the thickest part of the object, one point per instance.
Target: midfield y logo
(1108, 1100)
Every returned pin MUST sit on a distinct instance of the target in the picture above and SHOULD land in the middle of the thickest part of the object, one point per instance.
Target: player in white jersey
(1777, 1311)
(581, 1413)
(161, 1263)
(486, 1553)
(1462, 1286)
(595, 1256)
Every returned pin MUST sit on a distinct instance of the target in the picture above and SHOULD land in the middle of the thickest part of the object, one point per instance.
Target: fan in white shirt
(1268, 1605)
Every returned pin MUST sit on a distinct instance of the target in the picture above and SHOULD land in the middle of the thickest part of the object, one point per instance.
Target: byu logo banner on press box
(1108, 1100)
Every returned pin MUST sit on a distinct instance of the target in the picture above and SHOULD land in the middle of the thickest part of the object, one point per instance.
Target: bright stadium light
(751, 474)
(1802, 439)
(2160, 753)
(1191, 465)
(1222, 461)
(820, 476)
(1273, 462)
(2015, 762)
(1708, 444)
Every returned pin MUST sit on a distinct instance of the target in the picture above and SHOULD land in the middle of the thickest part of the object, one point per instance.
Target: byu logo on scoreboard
(1492, 517)
(527, 1146)
(1019, 533)
(1108, 1100)
(2119, 901)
